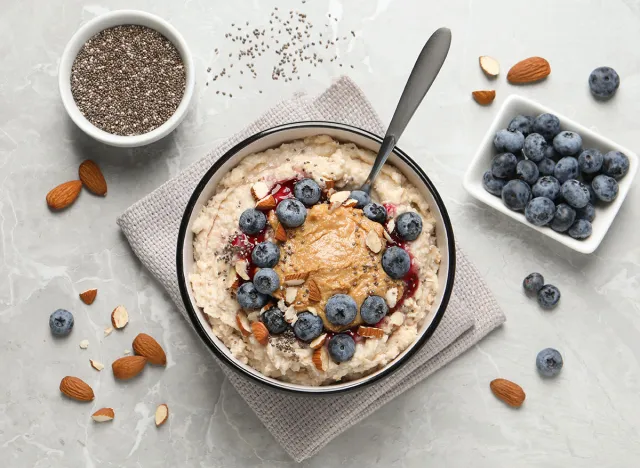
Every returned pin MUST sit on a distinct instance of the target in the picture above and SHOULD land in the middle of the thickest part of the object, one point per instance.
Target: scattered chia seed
(128, 80)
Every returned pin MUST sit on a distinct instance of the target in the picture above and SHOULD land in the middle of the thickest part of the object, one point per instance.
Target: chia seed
(128, 80)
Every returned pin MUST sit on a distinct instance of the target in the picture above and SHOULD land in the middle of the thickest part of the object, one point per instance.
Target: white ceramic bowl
(274, 137)
(605, 213)
(109, 20)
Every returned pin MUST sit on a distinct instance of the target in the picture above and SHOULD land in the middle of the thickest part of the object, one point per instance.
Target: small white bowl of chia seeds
(126, 78)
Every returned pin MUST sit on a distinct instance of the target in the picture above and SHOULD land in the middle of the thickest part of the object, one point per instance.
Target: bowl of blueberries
(551, 173)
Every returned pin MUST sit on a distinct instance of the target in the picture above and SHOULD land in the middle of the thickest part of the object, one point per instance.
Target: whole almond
(145, 345)
(88, 296)
(64, 195)
(260, 332)
(92, 178)
(77, 389)
(484, 97)
(507, 391)
(128, 367)
(162, 414)
(103, 415)
(529, 71)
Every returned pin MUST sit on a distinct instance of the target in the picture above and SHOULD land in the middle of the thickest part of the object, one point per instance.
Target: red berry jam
(285, 191)
(243, 245)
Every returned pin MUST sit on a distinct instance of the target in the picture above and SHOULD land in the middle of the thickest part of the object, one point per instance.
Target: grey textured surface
(587, 417)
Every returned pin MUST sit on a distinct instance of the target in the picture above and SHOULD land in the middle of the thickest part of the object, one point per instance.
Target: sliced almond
(295, 279)
(84, 344)
(388, 237)
(259, 190)
(314, 291)
(350, 203)
(282, 305)
(279, 231)
(243, 323)
(107, 331)
(318, 342)
(373, 241)
(103, 415)
(88, 296)
(312, 310)
(391, 297)
(340, 197)
(329, 184)
(232, 281)
(119, 317)
(267, 203)
(320, 359)
(290, 295)
(370, 332)
(260, 332)
(391, 225)
(484, 97)
(242, 269)
(96, 365)
(489, 65)
(162, 414)
(290, 315)
(396, 319)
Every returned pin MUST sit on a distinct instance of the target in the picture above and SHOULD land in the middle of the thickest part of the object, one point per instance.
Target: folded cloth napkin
(151, 227)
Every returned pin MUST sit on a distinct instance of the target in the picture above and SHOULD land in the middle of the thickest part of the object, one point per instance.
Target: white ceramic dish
(275, 137)
(109, 20)
(605, 214)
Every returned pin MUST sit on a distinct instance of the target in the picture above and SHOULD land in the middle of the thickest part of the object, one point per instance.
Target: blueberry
(361, 197)
(588, 213)
(307, 191)
(567, 143)
(567, 168)
(564, 218)
(409, 225)
(533, 283)
(341, 347)
(580, 229)
(605, 187)
(528, 171)
(61, 322)
(492, 184)
(548, 296)
(265, 255)
(547, 186)
(250, 298)
(504, 165)
(590, 161)
(266, 281)
(547, 125)
(535, 147)
(521, 123)
(308, 326)
(615, 164)
(373, 309)
(540, 211)
(592, 195)
(375, 212)
(604, 82)
(396, 262)
(549, 362)
(575, 193)
(252, 221)
(341, 309)
(273, 319)
(516, 194)
(551, 153)
(546, 167)
(510, 141)
(291, 212)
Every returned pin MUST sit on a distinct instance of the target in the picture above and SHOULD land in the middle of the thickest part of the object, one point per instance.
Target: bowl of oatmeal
(298, 280)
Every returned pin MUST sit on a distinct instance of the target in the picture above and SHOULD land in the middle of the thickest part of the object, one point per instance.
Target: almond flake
(314, 291)
(162, 414)
(242, 269)
(281, 305)
(107, 331)
(340, 197)
(243, 323)
(370, 332)
(259, 190)
(373, 241)
(290, 315)
(295, 279)
(267, 203)
(391, 225)
(312, 310)
(320, 359)
(329, 183)
(232, 279)
(391, 297)
(350, 203)
(119, 317)
(396, 319)
(290, 295)
(317, 342)
(388, 237)
(84, 344)
(103, 415)
(96, 365)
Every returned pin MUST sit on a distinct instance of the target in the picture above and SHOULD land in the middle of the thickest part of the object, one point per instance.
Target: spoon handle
(422, 77)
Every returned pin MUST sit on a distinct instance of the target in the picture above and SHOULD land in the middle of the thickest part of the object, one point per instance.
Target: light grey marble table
(588, 416)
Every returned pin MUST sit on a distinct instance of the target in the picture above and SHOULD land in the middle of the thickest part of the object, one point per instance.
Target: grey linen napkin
(151, 227)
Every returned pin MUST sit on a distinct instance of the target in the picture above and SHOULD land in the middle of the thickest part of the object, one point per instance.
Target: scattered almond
(370, 332)
(391, 297)
(162, 414)
(509, 392)
(350, 203)
(259, 190)
(243, 323)
(396, 319)
(340, 197)
(290, 295)
(391, 225)
(373, 241)
(64, 195)
(280, 233)
(119, 317)
(77, 389)
(96, 365)
(318, 342)
(128, 367)
(314, 291)
(484, 97)
(84, 344)
(147, 346)
(388, 237)
(320, 359)
(233, 282)
(88, 296)
(260, 332)
(92, 178)
(329, 184)
(529, 71)
(242, 269)
(489, 65)
(126, 352)
(107, 331)
(296, 279)
(290, 315)
(267, 203)
(103, 415)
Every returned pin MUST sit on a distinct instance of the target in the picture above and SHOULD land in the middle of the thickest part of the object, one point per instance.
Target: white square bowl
(605, 213)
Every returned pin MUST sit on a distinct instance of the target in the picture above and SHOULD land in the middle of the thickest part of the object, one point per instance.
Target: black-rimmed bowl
(274, 137)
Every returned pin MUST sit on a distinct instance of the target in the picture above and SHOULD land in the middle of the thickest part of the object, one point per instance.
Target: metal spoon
(422, 77)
